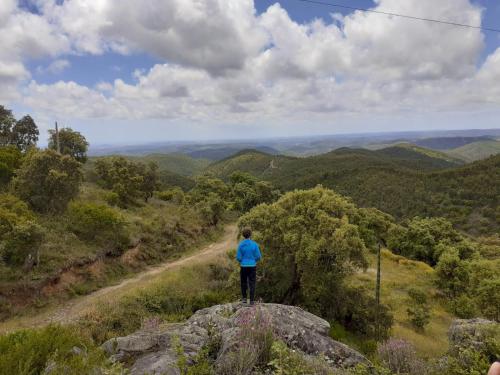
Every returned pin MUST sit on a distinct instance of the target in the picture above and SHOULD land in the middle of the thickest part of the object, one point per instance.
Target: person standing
(248, 255)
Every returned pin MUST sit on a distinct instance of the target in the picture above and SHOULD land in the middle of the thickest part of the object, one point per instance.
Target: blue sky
(173, 69)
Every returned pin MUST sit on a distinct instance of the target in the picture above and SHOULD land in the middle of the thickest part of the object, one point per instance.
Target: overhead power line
(317, 2)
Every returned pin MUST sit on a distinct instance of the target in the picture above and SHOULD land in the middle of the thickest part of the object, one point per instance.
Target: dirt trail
(74, 308)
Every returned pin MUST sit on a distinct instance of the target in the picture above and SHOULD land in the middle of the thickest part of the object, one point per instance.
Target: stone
(471, 333)
(156, 352)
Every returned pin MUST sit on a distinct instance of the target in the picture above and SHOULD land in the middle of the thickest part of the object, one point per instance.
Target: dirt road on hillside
(74, 308)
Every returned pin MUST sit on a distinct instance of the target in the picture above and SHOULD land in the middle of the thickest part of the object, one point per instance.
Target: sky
(125, 72)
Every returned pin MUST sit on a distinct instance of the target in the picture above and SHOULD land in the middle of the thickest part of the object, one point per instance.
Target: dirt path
(74, 308)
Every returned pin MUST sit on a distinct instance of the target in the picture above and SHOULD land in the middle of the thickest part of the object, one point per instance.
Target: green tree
(47, 180)
(247, 191)
(206, 185)
(452, 273)
(418, 308)
(420, 239)
(7, 121)
(99, 223)
(212, 208)
(130, 181)
(25, 133)
(71, 143)
(309, 245)
(150, 182)
(488, 298)
(10, 160)
(311, 242)
(20, 235)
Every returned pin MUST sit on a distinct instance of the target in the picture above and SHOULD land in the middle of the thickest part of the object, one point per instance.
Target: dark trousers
(247, 280)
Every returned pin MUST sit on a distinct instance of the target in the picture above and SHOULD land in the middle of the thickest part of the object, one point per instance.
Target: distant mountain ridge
(447, 143)
(397, 180)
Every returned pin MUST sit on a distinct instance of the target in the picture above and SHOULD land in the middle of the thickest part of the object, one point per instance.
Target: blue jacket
(248, 253)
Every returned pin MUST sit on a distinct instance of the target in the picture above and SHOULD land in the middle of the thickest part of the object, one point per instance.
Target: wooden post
(377, 293)
(58, 147)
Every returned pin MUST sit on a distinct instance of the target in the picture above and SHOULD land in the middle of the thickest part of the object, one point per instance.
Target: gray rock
(471, 333)
(155, 352)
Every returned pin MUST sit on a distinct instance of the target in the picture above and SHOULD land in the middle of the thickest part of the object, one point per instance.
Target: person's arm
(239, 254)
(257, 255)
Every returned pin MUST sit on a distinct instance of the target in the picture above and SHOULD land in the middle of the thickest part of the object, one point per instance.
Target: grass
(400, 274)
(172, 297)
(72, 266)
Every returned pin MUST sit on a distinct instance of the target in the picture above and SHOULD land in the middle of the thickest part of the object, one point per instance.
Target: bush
(464, 307)
(56, 348)
(254, 346)
(358, 312)
(47, 181)
(98, 222)
(20, 235)
(10, 160)
(130, 181)
(175, 195)
(488, 298)
(400, 357)
(284, 361)
(418, 308)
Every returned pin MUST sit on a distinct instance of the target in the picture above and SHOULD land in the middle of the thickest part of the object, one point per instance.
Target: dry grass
(398, 276)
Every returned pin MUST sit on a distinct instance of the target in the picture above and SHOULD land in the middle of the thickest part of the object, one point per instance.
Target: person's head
(246, 232)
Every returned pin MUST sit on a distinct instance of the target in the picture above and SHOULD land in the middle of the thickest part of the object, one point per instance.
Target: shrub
(20, 235)
(285, 361)
(47, 181)
(359, 313)
(254, 344)
(400, 357)
(98, 222)
(464, 307)
(488, 298)
(420, 240)
(212, 209)
(175, 195)
(10, 160)
(418, 308)
(56, 348)
(130, 181)
(452, 273)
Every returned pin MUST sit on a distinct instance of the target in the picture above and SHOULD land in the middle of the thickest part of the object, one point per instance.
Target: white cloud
(223, 63)
(55, 67)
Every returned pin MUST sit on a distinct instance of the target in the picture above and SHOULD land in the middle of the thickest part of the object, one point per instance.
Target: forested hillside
(402, 182)
(476, 151)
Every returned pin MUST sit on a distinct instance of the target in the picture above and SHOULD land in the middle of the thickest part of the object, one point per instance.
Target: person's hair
(246, 232)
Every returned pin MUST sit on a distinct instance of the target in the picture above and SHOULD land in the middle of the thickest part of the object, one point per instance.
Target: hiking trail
(72, 309)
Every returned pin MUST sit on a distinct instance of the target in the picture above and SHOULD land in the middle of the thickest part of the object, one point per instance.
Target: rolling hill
(400, 181)
(176, 163)
(448, 143)
(476, 150)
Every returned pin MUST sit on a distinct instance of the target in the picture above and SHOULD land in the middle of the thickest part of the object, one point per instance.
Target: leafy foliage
(7, 121)
(418, 308)
(99, 223)
(311, 242)
(25, 133)
(10, 160)
(20, 235)
(404, 186)
(425, 239)
(130, 181)
(54, 350)
(71, 143)
(47, 180)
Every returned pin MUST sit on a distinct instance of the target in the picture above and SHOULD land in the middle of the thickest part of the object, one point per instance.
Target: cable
(400, 15)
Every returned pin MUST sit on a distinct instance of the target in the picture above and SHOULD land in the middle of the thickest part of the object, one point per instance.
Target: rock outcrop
(471, 333)
(155, 351)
